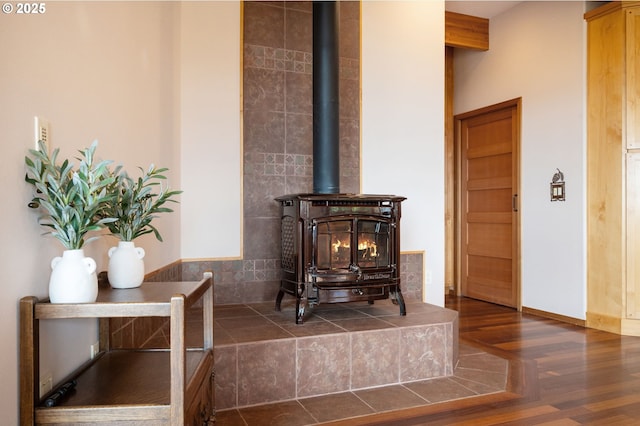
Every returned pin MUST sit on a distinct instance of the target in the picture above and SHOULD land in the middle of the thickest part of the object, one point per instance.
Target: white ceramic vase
(126, 267)
(73, 278)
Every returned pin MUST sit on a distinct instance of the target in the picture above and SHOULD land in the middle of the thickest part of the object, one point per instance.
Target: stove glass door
(333, 249)
(373, 244)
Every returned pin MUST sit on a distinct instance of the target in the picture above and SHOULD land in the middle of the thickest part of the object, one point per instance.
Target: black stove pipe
(326, 104)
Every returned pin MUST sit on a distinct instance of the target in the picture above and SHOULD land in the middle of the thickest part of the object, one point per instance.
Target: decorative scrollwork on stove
(288, 249)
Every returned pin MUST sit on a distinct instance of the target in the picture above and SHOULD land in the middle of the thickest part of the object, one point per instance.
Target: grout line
(417, 394)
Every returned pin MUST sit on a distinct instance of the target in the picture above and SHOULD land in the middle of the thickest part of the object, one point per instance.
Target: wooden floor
(561, 374)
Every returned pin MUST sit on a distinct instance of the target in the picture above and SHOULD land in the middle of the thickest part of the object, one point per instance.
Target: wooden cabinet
(613, 167)
(171, 386)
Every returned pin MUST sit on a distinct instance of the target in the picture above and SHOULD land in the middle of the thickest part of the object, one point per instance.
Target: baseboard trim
(557, 317)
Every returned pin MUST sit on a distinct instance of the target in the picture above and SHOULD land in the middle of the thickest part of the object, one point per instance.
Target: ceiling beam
(470, 32)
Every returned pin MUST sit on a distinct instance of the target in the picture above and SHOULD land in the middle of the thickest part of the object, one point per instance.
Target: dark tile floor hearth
(476, 372)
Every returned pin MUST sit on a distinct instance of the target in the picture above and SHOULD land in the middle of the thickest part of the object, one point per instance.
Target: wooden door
(488, 141)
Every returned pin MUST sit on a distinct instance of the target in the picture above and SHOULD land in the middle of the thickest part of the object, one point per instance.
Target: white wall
(211, 130)
(403, 122)
(103, 70)
(537, 51)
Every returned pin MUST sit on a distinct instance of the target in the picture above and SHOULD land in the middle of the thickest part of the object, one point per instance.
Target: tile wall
(278, 141)
(278, 144)
(278, 121)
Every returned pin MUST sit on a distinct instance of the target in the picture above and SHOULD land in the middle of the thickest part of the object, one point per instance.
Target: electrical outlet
(46, 384)
(94, 349)
(41, 128)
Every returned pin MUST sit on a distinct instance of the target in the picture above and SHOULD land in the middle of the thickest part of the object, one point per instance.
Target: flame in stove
(368, 249)
(339, 244)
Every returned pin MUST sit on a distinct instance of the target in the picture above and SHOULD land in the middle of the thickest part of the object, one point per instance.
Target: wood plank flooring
(561, 374)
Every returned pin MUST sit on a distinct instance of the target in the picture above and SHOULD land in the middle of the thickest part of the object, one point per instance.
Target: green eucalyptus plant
(71, 198)
(135, 204)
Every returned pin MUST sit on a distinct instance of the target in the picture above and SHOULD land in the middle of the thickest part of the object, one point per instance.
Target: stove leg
(301, 303)
(398, 299)
(300, 308)
(403, 309)
(279, 299)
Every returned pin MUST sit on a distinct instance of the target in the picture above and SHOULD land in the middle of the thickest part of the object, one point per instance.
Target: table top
(150, 299)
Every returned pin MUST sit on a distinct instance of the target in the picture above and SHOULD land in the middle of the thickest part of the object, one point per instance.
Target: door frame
(454, 190)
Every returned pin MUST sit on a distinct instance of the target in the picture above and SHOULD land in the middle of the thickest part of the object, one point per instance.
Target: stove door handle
(337, 276)
(356, 269)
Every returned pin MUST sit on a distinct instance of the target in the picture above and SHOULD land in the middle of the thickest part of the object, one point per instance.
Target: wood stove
(336, 247)
(340, 248)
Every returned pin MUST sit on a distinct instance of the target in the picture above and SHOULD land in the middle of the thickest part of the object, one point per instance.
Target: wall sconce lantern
(557, 186)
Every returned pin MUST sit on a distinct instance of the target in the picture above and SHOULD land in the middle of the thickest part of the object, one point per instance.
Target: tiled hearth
(262, 356)
(476, 374)
(271, 371)
(346, 360)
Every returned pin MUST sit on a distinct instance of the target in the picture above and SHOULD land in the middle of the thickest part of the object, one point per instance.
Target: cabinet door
(201, 410)
(633, 77)
(633, 235)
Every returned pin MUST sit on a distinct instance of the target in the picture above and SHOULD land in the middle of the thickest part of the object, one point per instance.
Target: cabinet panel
(201, 410)
(633, 72)
(605, 165)
(633, 230)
